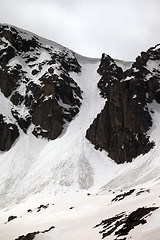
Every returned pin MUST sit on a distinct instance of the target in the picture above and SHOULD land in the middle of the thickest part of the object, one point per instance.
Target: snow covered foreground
(64, 172)
(76, 218)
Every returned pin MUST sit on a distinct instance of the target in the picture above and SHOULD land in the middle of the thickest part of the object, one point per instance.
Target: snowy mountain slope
(76, 166)
(61, 174)
(77, 217)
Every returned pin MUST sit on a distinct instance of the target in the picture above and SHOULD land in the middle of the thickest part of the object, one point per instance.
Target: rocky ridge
(35, 76)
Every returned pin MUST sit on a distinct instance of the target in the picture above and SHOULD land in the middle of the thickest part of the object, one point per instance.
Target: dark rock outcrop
(121, 127)
(135, 218)
(142, 190)
(110, 74)
(123, 195)
(31, 236)
(8, 134)
(36, 77)
(121, 224)
(11, 218)
(42, 207)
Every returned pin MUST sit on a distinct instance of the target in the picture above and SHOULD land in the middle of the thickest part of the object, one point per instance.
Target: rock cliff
(121, 127)
(35, 76)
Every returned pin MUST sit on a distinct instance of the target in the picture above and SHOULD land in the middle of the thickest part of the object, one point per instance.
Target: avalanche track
(69, 163)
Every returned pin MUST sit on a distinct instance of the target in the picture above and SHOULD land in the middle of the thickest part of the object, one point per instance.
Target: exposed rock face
(35, 75)
(11, 218)
(123, 195)
(31, 236)
(8, 133)
(121, 224)
(121, 127)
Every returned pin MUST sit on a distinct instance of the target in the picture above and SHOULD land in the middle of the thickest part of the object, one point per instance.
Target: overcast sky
(120, 28)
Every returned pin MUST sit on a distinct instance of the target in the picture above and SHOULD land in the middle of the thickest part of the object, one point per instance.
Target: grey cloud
(90, 27)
